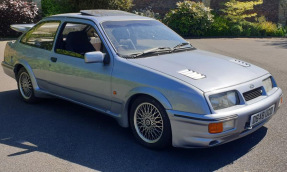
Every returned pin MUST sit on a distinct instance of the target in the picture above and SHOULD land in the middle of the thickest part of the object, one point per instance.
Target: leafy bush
(236, 30)
(267, 28)
(189, 18)
(220, 27)
(148, 12)
(16, 12)
(237, 11)
(124, 5)
(223, 27)
(270, 29)
(51, 7)
(233, 22)
(249, 29)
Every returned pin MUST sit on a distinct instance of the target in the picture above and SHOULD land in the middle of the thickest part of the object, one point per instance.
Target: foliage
(267, 28)
(237, 11)
(236, 30)
(249, 29)
(233, 22)
(148, 12)
(189, 18)
(223, 27)
(124, 5)
(220, 27)
(51, 7)
(16, 12)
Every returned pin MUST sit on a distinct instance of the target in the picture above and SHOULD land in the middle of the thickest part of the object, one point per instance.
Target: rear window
(42, 35)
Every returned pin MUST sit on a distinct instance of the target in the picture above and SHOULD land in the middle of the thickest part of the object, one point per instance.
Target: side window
(77, 39)
(42, 36)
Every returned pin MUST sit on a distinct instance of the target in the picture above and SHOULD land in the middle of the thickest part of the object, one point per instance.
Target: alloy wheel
(25, 85)
(148, 122)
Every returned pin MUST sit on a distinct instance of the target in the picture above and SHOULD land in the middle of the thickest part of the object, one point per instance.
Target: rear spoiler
(21, 27)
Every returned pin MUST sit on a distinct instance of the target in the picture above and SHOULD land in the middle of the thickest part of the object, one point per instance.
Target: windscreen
(129, 37)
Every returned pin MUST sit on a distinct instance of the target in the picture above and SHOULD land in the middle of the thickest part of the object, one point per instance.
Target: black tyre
(150, 123)
(25, 86)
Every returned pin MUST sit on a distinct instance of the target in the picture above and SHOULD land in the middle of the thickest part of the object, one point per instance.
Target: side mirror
(94, 57)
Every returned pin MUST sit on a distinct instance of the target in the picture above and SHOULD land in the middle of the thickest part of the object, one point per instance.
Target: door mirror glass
(94, 57)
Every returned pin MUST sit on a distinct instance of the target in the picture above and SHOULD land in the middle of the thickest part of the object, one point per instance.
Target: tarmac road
(56, 135)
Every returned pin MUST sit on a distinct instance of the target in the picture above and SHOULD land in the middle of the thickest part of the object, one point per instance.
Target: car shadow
(93, 140)
(278, 43)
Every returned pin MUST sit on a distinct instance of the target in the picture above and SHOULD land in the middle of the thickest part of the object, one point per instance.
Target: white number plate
(257, 118)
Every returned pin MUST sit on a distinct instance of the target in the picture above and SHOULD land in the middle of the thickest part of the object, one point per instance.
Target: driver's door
(69, 75)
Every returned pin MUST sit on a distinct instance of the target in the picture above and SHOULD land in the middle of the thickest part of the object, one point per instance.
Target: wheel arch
(21, 63)
(134, 94)
(17, 68)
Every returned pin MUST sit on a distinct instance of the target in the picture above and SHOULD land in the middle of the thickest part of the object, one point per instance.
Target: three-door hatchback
(143, 74)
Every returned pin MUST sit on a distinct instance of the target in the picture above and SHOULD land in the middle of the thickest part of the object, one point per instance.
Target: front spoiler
(191, 130)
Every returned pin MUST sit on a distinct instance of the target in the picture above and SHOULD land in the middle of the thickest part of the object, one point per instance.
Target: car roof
(103, 15)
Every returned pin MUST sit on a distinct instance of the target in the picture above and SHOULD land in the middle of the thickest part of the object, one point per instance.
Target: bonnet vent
(241, 63)
(192, 74)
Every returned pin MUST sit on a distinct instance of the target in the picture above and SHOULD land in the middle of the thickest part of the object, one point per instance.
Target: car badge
(251, 86)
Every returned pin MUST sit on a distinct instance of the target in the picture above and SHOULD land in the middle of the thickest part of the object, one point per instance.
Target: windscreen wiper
(149, 51)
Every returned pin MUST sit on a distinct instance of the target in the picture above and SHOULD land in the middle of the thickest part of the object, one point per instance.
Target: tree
(122, 4)
(16, 12)
(238, 11)
(51, 7)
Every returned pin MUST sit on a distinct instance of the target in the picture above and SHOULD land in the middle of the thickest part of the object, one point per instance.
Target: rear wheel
(150, 123)
(25, 86)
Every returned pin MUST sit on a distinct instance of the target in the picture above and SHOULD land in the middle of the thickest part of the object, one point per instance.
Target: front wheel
(150, 123)
(25, 86)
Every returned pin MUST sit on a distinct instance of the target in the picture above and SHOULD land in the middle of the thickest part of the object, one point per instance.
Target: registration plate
(259, 117)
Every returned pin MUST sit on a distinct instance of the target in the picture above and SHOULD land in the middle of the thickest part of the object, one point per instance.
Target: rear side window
(42, 35)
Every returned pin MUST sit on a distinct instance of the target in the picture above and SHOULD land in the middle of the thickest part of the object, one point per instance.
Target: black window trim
(63, 25)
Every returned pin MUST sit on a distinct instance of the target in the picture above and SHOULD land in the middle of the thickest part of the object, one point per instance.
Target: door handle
(53, 59)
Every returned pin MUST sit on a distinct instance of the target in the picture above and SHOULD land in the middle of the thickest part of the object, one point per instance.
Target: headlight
(267, 83)
(224, 100)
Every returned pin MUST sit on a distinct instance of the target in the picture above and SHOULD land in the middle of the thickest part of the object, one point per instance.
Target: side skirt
(114, 115)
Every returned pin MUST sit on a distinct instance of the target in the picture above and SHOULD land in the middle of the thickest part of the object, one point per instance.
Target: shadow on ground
(90, 139)
(278, 43)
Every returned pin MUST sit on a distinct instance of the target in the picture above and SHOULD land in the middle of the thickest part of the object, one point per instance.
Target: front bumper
(191, 130)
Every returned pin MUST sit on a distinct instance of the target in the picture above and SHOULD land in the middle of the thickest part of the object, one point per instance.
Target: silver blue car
(143, 74)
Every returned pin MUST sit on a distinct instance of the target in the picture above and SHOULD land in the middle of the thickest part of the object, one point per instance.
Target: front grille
(252, 94)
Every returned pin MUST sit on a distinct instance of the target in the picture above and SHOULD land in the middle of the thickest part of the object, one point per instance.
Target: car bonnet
(204, 70)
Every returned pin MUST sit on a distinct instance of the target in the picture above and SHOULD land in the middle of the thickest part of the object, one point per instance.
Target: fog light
(221, 126)
(228, 125)
(215, 128)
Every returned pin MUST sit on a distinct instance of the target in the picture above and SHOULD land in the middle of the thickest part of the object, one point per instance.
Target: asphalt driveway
(56, 135)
